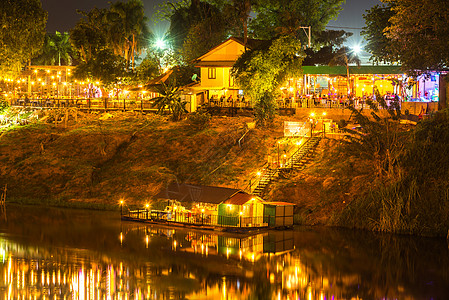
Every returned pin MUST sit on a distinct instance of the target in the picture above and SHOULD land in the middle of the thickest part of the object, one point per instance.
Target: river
(48, 253)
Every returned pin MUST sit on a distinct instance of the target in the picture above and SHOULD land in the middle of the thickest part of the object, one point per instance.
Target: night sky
(62, 15)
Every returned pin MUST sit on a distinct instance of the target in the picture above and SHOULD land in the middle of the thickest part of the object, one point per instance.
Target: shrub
(199, 119)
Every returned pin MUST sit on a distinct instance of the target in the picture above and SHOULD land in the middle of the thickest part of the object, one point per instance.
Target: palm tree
(126, 28)
(170, 98)
(243, 8)
(56, 47)
(343, 57)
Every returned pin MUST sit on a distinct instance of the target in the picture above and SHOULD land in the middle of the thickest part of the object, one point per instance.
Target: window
(212, 73)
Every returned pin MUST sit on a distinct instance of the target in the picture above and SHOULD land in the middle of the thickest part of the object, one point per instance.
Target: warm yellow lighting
(35, 71)
(54, 83)
(324, 113)
(241, 213)
(121, 202)
(64, 83)
(52, 77)
(147, 206)
(258, 173)
(202, 210)
(312, 114)
(290, 89)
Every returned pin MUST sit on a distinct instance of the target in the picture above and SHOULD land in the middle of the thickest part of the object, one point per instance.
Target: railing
(199, 219)
(93, 103)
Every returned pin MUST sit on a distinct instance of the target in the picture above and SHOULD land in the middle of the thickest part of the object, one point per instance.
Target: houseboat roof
(279, 203)
(197, 193)
(241, 198)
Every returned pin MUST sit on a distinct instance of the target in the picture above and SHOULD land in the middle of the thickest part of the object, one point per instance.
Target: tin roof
(341, 70)
(279, 203)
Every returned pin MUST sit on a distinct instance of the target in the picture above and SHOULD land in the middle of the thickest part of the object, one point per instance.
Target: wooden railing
(199, 219)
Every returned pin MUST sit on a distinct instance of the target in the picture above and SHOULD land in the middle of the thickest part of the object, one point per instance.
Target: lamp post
(202, 216)
(121, 208)
(240, 213)
(146, 208)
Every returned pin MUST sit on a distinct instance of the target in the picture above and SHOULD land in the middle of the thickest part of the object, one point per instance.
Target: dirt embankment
(131, 156)
(96, 161)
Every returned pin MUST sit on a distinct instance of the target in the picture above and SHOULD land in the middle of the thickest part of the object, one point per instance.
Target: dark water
(71, 254)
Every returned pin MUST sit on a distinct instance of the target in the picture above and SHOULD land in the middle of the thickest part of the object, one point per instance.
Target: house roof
(241, 198)
(279, 203)
(251, 44)
(341, 70)
(223, 63)
(197, 193)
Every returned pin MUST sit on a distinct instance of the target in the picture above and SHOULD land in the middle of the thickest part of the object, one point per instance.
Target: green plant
(170, 98)
(199, 119)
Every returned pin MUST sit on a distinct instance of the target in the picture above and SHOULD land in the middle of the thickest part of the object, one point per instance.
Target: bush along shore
(385, 176)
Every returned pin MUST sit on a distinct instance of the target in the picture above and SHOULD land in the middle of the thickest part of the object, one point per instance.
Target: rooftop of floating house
(201, 193)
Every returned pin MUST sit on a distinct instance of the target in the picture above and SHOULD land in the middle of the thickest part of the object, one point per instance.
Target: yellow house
(217, 82)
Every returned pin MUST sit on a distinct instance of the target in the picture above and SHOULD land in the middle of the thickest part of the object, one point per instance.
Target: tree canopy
(260, 72)
(56, 50)
(22, 33)
(415, 33)
(376, 20)
(286, 17)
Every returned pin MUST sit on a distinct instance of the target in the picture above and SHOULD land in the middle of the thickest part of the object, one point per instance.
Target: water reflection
(65, 254)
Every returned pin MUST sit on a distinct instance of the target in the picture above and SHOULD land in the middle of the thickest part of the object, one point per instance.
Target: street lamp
(121, 207)
(241, 213)
(147, 206)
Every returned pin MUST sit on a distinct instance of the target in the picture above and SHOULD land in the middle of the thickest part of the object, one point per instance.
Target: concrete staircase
(297, 160)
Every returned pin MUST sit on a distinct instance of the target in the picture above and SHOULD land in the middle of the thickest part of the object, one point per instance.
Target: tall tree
(286, 17)
(195, 27)
(88, 37)
(260, 72)
(22, 33)
(127, 28)
(419, 33)
(377, 19)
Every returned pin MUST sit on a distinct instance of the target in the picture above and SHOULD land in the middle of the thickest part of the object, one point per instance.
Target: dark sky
(62, 15)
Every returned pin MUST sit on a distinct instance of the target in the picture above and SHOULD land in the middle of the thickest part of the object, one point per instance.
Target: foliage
(265, 109)
(105, 38)
(147, 69)
(88, 37)
(126, 28)
(285, 17)
(195, 27)
(170, 98)
(380, 139)
(105, 67)
(376, 20)
(22, 33)
(199, 119)
(4, 105)
(419, 35)
(56, 48)
(261, 71)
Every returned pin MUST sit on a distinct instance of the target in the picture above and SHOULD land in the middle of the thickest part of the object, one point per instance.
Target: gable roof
(250, 44)
(197, 193)
(241, 198)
